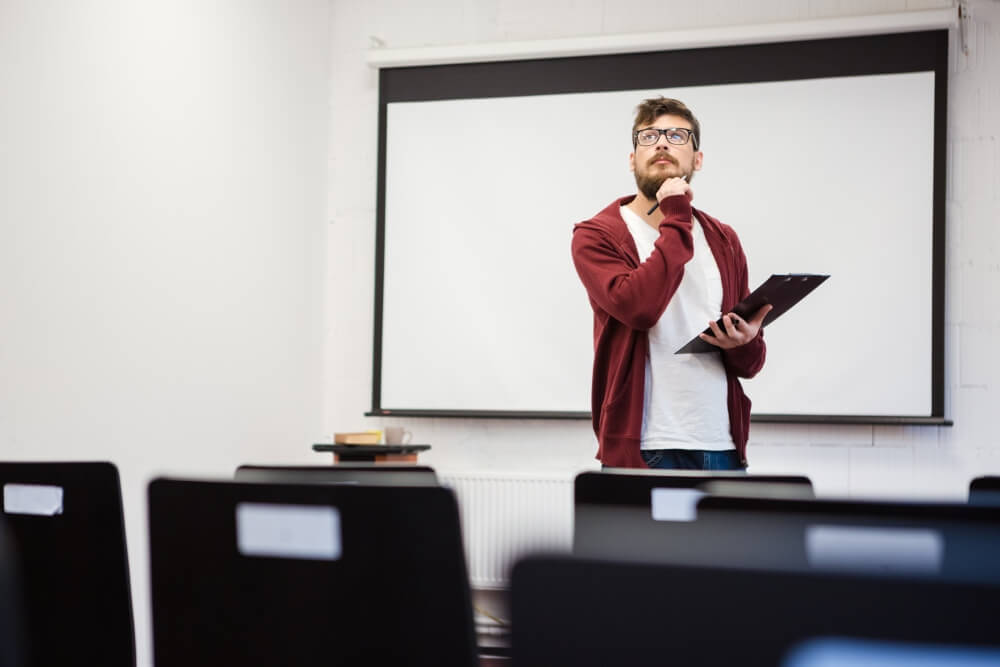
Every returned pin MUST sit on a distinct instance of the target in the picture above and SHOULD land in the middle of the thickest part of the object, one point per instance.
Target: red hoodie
(628, 296)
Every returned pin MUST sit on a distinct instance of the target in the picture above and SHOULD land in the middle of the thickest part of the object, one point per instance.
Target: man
(656, 271)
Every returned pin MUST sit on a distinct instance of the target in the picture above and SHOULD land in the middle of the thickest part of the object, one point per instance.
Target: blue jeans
(692, 459)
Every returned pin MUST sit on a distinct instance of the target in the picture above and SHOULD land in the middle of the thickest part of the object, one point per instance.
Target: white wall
(162, 258)
(843, 460)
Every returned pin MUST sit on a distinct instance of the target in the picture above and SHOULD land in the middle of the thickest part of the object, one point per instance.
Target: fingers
(730, 322)
(681, 184)
(673, 186)
(712, 340)
(716, 330)
(733, 332)
(758, 317)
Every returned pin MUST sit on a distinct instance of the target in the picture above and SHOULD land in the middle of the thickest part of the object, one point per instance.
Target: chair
(985, 491)
(585, 613)
(369, 475)
(942, 540)
(11, 609)
(849, 652)
(298, 574)
(66, 523)
(614, 509)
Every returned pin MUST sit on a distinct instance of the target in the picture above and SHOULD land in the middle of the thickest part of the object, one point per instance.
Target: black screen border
(894, 53)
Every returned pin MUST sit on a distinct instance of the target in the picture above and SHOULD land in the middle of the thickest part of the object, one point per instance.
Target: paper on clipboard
(782, 291)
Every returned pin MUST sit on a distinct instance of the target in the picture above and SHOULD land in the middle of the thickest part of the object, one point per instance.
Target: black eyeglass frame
(663, 133)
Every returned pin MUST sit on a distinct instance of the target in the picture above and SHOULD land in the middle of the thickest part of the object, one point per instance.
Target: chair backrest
(66, 524)
(635, 504)
(949, 540)
(264, 574)
(589, 613)
(376, 474)
(985, 491)
(11, 603)
(851, 652)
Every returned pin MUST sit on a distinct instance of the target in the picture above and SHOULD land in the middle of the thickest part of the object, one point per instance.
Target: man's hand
(674, 186)
(737, 332)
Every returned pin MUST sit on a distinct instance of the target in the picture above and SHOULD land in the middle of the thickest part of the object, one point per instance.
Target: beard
(650, 178)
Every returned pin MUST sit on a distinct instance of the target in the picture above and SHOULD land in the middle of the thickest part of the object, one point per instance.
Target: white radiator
(506, 516)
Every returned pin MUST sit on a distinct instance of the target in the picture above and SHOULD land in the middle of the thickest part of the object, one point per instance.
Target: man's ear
(631, 161)
(698, 158)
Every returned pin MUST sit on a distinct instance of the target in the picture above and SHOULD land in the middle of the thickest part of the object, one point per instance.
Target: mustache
(662, 156)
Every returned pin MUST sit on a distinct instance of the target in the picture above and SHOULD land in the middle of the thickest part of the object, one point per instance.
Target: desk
(372, 453)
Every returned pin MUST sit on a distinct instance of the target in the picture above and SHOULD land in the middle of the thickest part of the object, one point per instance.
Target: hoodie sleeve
(635, 296)
(746, 360)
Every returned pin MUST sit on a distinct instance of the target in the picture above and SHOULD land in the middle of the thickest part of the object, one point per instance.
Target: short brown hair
(651, 109)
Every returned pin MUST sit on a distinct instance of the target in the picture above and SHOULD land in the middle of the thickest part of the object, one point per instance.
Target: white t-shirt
(684, 406)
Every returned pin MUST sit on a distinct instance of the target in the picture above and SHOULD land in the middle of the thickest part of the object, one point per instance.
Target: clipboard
(782, 291)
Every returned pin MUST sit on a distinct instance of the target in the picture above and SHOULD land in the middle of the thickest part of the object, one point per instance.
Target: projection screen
(825, 156)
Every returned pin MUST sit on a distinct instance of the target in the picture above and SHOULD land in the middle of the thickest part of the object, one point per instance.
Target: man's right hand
(674, 186)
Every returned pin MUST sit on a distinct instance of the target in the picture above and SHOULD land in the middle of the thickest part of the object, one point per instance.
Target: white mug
(397, 435)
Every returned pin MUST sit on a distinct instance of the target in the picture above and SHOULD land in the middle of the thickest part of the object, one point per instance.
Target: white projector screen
(479, 307)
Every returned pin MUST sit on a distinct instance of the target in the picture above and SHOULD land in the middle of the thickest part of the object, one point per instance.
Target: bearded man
(656, 271)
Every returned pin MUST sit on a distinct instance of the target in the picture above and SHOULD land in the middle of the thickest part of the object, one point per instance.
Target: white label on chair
(916, 550)
(675, 504)
(307, 532)
(38, 499)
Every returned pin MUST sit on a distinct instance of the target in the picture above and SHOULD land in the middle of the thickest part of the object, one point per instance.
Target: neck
(641, 205)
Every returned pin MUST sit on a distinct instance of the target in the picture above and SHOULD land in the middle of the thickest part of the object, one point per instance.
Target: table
(372, 453)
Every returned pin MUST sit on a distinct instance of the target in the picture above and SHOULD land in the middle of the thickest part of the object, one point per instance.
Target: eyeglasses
(675, 135)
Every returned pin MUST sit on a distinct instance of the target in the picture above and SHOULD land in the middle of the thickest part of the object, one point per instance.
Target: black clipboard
(781, 291)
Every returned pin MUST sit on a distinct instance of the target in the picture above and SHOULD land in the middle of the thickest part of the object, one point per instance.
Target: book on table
(358, 438)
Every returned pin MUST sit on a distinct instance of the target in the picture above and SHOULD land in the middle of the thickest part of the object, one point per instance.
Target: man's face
(654, 164)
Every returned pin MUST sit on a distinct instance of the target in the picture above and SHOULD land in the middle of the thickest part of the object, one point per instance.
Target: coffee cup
(397, 435)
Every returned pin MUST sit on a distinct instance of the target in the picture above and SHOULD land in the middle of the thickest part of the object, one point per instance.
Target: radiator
(507, 516)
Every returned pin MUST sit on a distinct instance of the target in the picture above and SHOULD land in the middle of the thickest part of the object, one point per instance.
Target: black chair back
(11, 604)
(375, 474)
(67, 527)
(614, 509)
(264, 574)
(585, 613)
(985, 491)
(943, 540)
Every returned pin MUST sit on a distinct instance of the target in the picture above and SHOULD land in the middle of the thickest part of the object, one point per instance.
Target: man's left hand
(735, 331)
